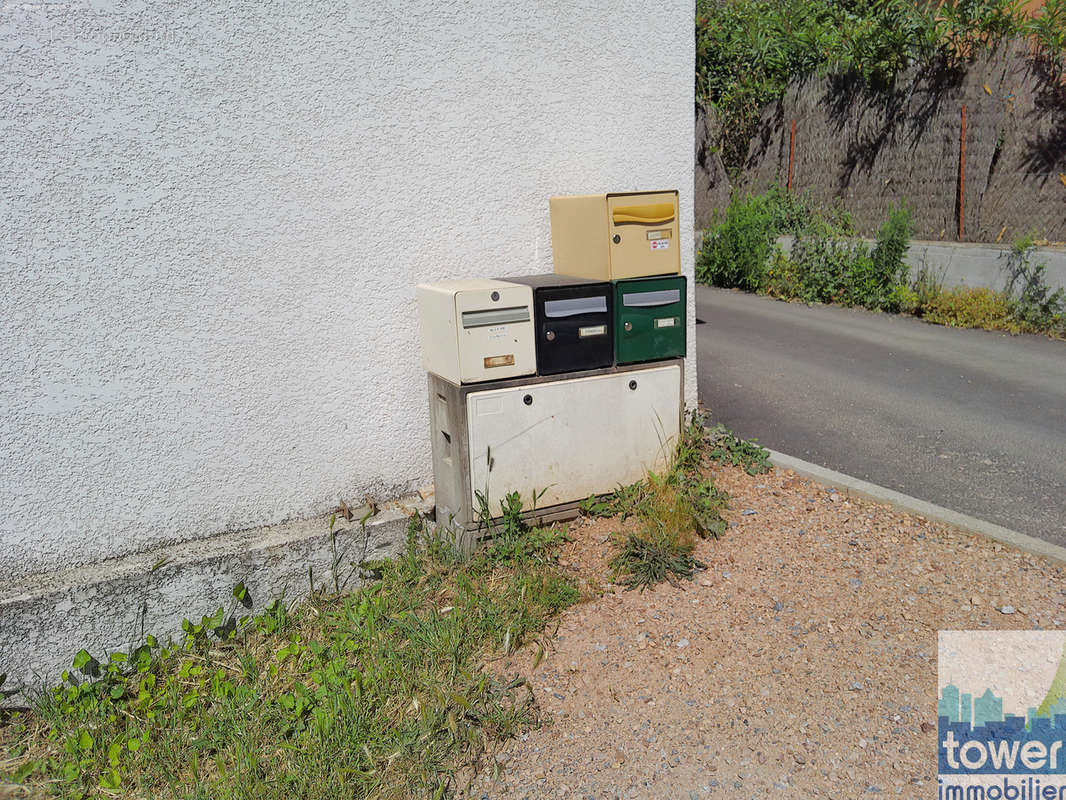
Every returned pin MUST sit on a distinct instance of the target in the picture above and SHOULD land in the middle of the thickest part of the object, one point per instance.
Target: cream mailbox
(476, 330)
(607, 237)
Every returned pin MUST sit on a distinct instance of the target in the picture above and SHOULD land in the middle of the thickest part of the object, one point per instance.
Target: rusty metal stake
(962, 174)
(791, 153)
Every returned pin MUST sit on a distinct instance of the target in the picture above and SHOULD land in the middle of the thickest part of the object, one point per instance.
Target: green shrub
(889, 268)
(965, 307)
(735, 252)
(1049, 29)
(825, 265)
(747, 51)
(1027, 305)
(902, 298)
(819, 266)
(1033, 305)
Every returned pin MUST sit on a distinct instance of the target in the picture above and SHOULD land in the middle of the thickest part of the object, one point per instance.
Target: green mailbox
(649, 319)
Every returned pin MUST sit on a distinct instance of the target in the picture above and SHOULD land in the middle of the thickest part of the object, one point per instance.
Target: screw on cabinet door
(528, 399)
(616, 238)
(629, 326)
(550, 336)
(633, 385)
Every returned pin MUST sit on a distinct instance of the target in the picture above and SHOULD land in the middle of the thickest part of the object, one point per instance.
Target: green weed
(671, 510)
(376, 693)
(926, 286)
(726, 448)
(512, 540)
(654, 555)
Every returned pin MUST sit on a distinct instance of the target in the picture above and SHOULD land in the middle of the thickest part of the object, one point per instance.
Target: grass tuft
(671, 511)
(653, 556)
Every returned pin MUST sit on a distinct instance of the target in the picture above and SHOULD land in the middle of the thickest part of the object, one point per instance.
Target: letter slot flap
(653, 214)
(573, 306)
(495, 316)
(663, 297)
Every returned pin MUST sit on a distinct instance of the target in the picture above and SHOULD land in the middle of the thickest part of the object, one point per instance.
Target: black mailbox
(573, 322)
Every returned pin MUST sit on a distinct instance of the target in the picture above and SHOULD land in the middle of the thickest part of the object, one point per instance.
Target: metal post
(962, 174)
(791, 153)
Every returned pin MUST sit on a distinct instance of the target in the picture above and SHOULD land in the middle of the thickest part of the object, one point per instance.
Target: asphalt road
(974, 421)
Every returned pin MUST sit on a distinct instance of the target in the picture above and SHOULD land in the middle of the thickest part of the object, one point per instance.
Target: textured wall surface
(711, 185)
(868, 150)
(214, 215)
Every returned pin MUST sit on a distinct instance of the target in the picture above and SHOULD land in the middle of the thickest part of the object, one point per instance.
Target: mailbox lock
(616, 238)
(629, 326)
(550, 336)
(495, 296)
(633, 385)
(528, 399)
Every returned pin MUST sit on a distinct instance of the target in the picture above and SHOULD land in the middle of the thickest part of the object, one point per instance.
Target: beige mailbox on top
(611, 236)
(476, 330)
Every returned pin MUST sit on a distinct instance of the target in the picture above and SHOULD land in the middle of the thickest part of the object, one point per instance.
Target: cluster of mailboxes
(565, 384)
(616, 297)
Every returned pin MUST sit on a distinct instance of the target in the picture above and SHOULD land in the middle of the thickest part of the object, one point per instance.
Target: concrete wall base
(106, 607)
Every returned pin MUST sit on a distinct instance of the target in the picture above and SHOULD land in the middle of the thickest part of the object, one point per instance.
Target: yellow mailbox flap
(652, 214)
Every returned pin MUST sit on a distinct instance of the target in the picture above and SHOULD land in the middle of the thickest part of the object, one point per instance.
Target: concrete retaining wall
(974, 265)
(982, 265)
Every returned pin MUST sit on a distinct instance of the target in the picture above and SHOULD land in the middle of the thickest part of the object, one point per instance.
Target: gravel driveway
(802, 663)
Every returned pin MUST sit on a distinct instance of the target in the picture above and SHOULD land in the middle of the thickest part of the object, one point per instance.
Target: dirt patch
(801, 663)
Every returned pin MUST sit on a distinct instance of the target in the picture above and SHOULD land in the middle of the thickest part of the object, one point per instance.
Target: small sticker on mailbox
(660, 244)
(667, 322)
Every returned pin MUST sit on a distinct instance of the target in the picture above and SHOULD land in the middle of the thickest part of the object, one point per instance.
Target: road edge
(904, 502)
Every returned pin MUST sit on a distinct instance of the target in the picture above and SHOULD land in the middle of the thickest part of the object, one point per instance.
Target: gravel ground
(801, 663)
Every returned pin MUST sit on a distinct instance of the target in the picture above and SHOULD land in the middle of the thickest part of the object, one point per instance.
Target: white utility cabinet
(564, 438)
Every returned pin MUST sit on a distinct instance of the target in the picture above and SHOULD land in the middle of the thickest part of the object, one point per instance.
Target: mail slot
(616, 236)
(573, 322)
(649, 315)
(476, 330)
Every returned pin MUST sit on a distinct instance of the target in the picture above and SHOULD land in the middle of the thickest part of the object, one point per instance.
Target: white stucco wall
(212, 216)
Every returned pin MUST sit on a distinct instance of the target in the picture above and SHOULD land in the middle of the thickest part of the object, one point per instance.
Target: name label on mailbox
(667, 322)
(659, 240)
(499, 361)
(592, 330)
